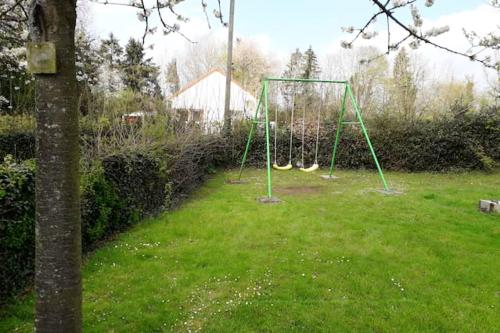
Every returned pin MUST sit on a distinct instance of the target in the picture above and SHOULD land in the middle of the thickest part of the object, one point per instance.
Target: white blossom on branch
(415, 37)
(166, 12)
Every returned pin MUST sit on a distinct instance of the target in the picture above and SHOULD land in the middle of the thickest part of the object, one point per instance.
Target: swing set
(263, 106)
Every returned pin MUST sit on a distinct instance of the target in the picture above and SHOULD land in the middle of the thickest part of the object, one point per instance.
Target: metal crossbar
(303, 80)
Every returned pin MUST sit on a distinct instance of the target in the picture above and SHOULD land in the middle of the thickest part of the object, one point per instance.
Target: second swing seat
(312, 168)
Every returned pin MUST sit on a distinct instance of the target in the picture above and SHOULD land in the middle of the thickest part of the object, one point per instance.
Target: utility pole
(229, 69)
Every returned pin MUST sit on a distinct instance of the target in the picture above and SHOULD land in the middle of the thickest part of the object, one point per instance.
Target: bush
(17, 124)
(17, 225)
(101, 208)
(190, 161)
(468, 142)
(19, 145)
(139, 183)
(114, 195)
(17, 137)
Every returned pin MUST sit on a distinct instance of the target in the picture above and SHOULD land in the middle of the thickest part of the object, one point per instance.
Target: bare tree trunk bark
(58, 234)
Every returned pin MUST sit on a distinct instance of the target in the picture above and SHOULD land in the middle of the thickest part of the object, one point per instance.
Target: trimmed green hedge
(101, 208)
(102, 213)
(116, 193)
(468, 142)
(190, 162)
(19, 145)
(17, 232)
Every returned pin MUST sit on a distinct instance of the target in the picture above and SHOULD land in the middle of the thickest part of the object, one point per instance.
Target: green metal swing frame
(264, 101)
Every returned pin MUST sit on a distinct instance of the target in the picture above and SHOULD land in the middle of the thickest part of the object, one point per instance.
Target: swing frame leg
(263, 100)
(250, 134)
(367, 138)
(337, 138)
(341, 123)
(270, 198)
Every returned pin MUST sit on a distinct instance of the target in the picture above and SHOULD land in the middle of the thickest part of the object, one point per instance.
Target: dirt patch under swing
(296, 190)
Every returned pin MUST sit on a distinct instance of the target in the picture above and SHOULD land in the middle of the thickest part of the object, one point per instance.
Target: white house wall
(208, 95)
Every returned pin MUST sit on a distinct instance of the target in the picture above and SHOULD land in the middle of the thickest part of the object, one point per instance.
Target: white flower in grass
(4, 100)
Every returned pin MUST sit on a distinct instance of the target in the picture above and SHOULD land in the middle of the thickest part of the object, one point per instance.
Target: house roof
(201, 78)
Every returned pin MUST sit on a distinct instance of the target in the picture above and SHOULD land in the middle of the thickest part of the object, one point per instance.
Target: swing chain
(322, 91)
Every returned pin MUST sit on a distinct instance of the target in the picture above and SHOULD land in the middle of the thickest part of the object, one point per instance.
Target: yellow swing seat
(283, 168)
(312, 168)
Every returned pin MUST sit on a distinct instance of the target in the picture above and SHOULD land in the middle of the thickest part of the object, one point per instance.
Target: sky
(281, 26)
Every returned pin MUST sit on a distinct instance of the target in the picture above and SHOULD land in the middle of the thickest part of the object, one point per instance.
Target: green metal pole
(280, 79)
(365, 133)
(339, 130)
(252, 129)
(268, 150)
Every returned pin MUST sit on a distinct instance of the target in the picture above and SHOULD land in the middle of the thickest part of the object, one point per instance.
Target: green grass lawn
(334, 256)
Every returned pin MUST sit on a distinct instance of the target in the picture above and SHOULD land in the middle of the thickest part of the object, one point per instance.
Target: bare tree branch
(414, 32)
(8, 10)
(145, 13)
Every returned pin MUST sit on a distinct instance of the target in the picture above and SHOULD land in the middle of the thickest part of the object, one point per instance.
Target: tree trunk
(58, 240)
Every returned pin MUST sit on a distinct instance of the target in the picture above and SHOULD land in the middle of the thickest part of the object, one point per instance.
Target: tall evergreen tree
(293, 71)
(310, 70)
(139, 73)
(172, 79)
(294, 66)
(310, 65)
(404, 92)
(87, 59)
(111, 53)
(87, 69)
